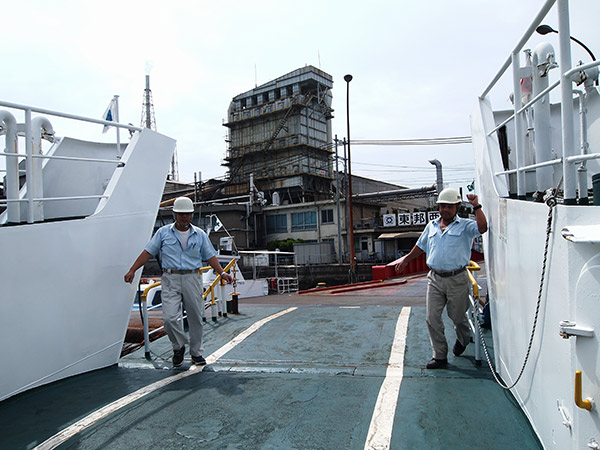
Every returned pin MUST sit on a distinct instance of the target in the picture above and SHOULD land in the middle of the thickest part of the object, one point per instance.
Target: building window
(277, 224)
(327, 216)
(304, 221)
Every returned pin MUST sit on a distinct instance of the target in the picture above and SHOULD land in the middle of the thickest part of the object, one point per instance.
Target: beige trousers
(452, 293)
(186, 290)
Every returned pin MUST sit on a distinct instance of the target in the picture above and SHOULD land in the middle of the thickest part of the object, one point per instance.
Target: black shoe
(437, 363)
(198, 360)
(178, 356)
(458, 348)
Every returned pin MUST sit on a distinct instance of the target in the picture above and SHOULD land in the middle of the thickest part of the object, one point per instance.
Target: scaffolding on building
(280, 132)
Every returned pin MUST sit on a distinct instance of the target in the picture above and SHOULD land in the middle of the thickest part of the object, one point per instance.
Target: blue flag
(109, 114)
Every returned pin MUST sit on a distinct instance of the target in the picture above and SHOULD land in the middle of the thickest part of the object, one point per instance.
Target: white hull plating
(64, 307)
(514, 251)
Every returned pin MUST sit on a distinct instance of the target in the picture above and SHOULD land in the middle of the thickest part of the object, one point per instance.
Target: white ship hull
(64, 307)
(515, 252)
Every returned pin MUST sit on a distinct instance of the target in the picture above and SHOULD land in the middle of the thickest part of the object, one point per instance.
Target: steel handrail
(29, 137)
(538, 19)
(67, 116)
(201, 270)
(554, 162)
(217, 280)
(473, 312)
(568, 75)
(550, 88)
(66, 158)
(527, 105)
(52, 199)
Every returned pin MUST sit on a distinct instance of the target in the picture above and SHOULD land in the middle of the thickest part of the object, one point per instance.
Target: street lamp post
(545, 29)
(352, 274)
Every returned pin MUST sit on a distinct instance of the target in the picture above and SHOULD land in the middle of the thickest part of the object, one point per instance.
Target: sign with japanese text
(404, 219)
(432, 215)
(389, 220)
(419, 218)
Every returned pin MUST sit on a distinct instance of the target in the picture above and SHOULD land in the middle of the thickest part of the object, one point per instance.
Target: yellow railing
(147, 290)
(473, 312)
(474, 267)
(211, 289)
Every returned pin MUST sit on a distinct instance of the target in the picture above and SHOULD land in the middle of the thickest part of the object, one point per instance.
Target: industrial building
(280, 134)
(283, 180)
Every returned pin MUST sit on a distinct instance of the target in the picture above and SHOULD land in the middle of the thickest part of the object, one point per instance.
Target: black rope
(551, 202)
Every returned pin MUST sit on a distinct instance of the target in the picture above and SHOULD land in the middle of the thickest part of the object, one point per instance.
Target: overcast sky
(418, 67)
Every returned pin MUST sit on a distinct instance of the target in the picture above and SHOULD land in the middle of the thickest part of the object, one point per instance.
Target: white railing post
(29, 166)
(213, 311)
(566, 89)
(146, 327)
(519, 135)
(118, 130)
(222, 299)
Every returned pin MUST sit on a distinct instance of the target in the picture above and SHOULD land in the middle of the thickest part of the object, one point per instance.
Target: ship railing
(568, 75)
(34, 129)
(473, 314)
(217, 303)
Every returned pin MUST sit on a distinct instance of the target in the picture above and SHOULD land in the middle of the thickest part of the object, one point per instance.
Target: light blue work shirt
(166, 240)
(451, 249)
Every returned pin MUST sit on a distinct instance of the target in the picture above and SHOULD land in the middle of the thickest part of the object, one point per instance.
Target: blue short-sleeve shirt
(166, 240)
(451, 249)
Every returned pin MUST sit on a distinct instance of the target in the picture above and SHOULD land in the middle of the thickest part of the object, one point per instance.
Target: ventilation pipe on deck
(543, 62)
(582, 177)
(440, 178)
(39, 126)
(11, 183)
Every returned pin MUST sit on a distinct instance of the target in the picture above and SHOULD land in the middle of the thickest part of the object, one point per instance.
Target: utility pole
(352, 274)
(337, 200)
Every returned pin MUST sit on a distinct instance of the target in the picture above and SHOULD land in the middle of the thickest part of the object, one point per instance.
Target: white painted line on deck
(91, 419)
(382, 422)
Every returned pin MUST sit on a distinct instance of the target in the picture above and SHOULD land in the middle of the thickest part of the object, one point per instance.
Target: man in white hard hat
(183, 248)
(447, 242)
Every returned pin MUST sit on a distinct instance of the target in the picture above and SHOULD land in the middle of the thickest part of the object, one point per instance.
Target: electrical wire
(422, 141)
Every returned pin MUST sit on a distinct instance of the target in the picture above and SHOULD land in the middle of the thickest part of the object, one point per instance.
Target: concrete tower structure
(280, 136)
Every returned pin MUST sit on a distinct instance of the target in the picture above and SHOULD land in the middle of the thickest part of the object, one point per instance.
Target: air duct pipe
(440, 177)
(8, 122)
(39, 125)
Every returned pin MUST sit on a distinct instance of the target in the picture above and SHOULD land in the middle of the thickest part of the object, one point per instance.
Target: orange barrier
(417, 265)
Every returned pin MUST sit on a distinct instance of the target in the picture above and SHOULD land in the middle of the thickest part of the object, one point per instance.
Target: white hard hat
(183, 205)
(449, 195)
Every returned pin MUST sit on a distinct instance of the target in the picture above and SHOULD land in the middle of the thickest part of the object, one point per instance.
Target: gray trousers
(452, 293)
(183, 289)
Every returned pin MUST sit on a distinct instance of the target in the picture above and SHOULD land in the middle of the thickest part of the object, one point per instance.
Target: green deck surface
(306, 380)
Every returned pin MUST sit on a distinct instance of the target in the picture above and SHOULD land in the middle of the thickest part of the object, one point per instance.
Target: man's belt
(179, 272)
(449, 273)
